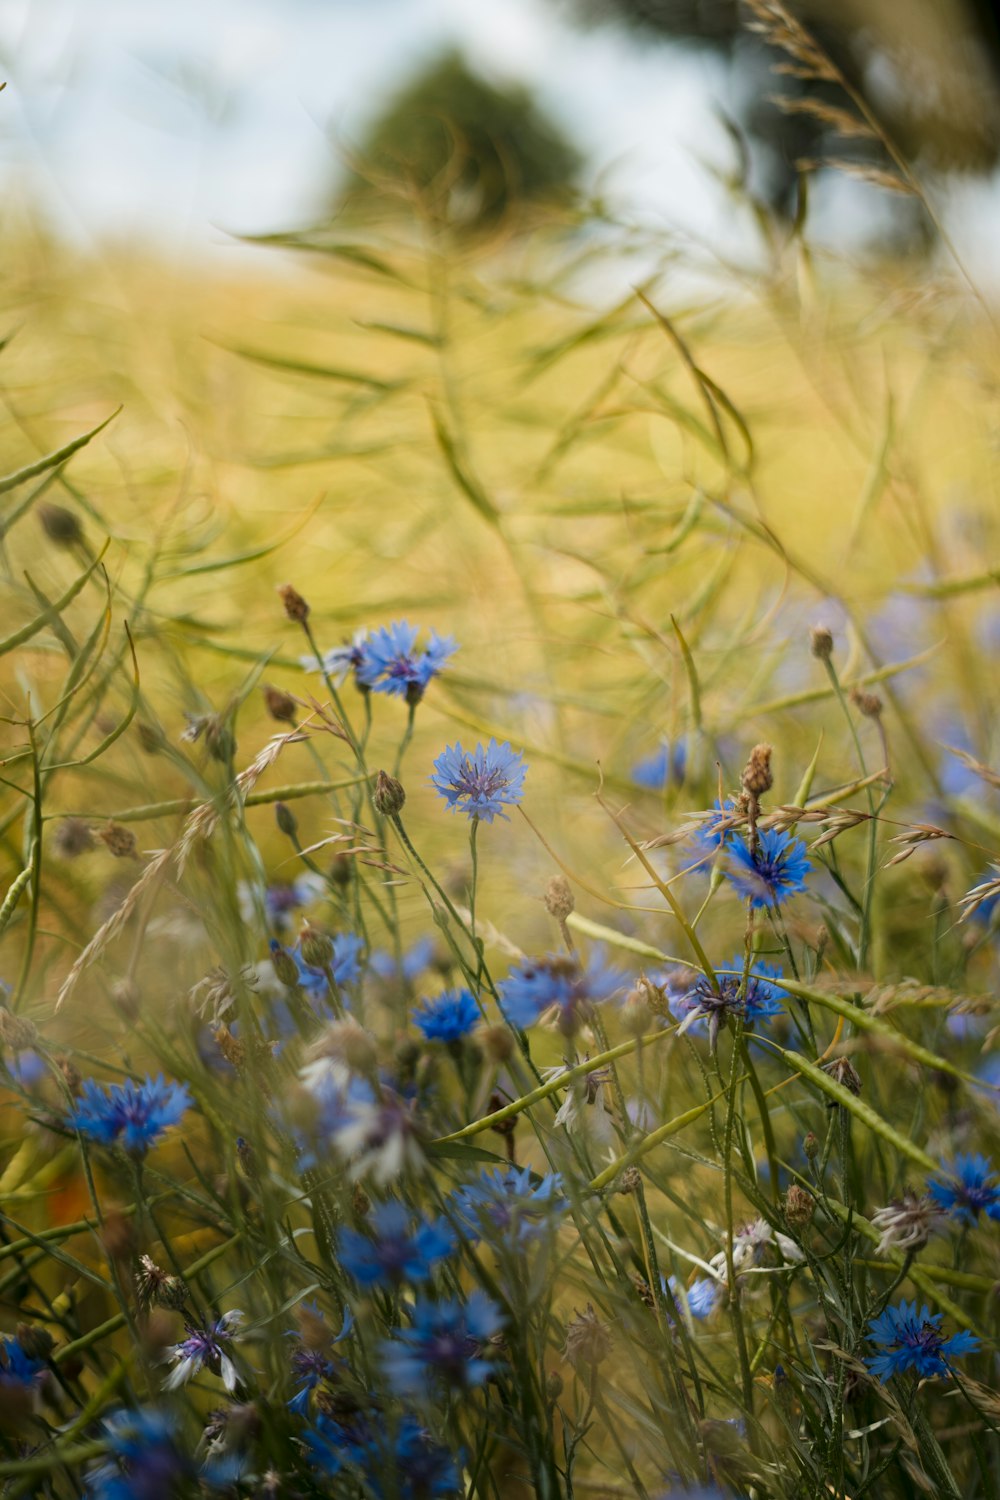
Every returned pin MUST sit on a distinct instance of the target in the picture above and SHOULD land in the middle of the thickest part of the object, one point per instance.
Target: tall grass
(731, 545)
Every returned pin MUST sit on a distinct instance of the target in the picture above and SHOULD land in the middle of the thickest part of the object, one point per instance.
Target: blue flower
(409, 967)
(399, 1462)
(345, 964)
(482, 783)
(664, 768)
(559, 984)
(311, 1365)
(448, 1017)
(132, 1115)
(509, 1206)
(772, 874)
(912, 1340)
(702, 1296)
(445, 1342)
(391, 664)
(206, 1346)
(145, 1461)
(971, 1188)
(17, 1369)
(398, 1253)
(758, 1000)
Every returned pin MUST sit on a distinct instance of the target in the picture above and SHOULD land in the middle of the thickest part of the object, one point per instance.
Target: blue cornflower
(206, 1346)
(409, 967)
(131, 1115)
(311, 1364)
(702, 1296)
(448, 1017)
(758, 1000)
(509, 1206)
(912, 1340)
(398, 1253)
(558, 984)
(482, 783)
(144, 1460)
(773, 873)
(391, 664)
(971, 1188)
(445, 1341)
(665, 767)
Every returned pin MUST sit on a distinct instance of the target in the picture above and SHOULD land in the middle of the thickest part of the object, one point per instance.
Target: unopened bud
(636, 1015)
(559, 898)
(284, 965)
(247, 1158)
(810, 1145)
(821, 642)
(296, 607)
(286, 820)
(340, 869)
(757, 778)
(220, 742)
(315, 946)
(869, 704)
(496, 1043)
(280, 705)
(554, 1385)
(388, 795)
(60, 525)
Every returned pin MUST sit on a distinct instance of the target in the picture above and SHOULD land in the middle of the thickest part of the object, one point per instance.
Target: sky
(191, 121)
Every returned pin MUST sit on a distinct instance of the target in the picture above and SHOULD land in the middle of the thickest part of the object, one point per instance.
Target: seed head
(757, 778)
(36, 1341)
(553, 1385)
(588, 1340)
(280, 705)
(559, 898)
(388, 795)
(810, 1145)
(630, 1180)
(296, 607)
(800, 1206)
(845, 1073)
(16, 1032)
(119, 840)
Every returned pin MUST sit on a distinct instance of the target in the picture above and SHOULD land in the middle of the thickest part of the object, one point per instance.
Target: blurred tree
(928, 70)
(473, 151)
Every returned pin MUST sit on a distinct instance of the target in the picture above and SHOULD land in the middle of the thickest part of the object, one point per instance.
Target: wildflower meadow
(501, 870)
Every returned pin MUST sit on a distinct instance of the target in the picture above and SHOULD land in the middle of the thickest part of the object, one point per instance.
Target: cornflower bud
(315, 946)
(869, 704)
(388, 795)
(630, 1180)
(280, 705)
(60, 525)
(810, 1145)
(285, 968)
(286, 820)
(296, 607)
(757, 778)
(821, 642)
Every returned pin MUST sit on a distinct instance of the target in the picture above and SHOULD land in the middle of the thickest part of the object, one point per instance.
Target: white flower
(750, 1248)
(205, 1347)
